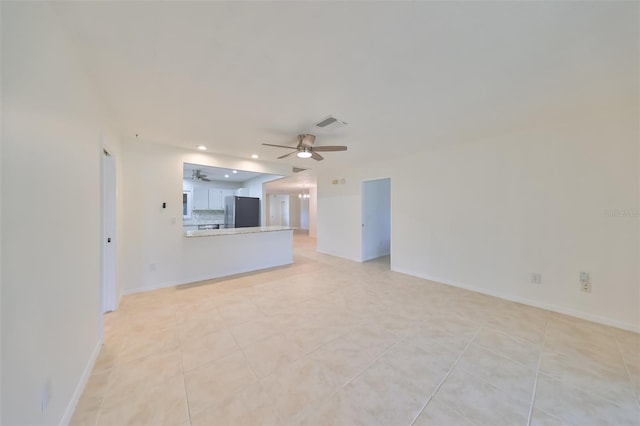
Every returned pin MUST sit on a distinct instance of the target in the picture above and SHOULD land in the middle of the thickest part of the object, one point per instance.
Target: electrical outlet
(152, 267)
(585, 283)
(536, 278)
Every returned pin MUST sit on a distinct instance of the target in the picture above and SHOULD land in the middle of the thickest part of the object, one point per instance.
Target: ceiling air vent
(298, 170)
(329, 121)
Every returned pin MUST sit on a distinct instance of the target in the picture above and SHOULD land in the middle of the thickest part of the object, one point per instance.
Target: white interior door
(109, 299)
(376, 219)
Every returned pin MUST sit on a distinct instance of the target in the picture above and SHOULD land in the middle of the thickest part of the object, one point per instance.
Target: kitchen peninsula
(216, 253)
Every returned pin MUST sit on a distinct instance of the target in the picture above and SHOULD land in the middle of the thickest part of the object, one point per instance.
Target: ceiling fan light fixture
(304, 154)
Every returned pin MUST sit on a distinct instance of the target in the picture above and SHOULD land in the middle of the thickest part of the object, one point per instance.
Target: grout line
(245, 356)
(535, 382)
(576, 386)
(624, 362)
(502, 355)
(111, 373)
(446, 376)
(184, 379)
(355, 376)
(259, 379)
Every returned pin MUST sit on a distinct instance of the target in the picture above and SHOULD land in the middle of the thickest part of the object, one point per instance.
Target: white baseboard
(144, 289)
(340, 255)
(231, 274)
(537, 304)
(196, 279)
(68, 413)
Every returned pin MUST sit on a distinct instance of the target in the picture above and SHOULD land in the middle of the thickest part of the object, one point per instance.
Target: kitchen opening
(214, 197)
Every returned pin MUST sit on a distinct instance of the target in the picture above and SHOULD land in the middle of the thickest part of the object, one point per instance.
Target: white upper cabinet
(210, 198)
(216, 201)
(200, 199)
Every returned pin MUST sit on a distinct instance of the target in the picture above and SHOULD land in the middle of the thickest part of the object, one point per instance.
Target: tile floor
(332, 342)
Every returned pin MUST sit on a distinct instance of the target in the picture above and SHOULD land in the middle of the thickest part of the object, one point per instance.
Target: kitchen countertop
(234, 231)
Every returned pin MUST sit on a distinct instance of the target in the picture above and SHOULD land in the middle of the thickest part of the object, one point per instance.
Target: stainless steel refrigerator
(241, 212)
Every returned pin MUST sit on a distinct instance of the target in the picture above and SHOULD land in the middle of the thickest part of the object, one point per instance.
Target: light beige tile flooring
(328, 341)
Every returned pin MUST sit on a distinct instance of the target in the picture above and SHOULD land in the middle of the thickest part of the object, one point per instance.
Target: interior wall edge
(82, 383)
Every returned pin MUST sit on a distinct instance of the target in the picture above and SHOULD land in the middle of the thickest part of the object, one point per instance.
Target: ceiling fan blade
(279, 146)
(330, 148)
(307, 140)
(316, 156)
(286, 155)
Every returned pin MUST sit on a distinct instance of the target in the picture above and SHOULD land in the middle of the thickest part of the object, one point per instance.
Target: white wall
(313, 212)
(277, 214)
(294, 211)
(485, 215)
(256, 189)
(304, 213)
(53, 132)
(154, 174)
(255, 185)
(339, 208)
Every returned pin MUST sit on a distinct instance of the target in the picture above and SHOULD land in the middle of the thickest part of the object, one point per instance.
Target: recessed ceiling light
(202, 147)
(235, 171)
(254, 155)
(304, 154)
(226, 176)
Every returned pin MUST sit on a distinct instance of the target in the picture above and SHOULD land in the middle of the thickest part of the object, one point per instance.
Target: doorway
(109, 298)
(376, 219)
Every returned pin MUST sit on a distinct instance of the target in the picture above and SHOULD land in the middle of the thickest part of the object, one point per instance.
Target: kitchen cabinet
(200, 198)
(210, 198)
(216, 201)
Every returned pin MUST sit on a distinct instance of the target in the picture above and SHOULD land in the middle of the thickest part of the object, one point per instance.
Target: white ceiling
(406, 76)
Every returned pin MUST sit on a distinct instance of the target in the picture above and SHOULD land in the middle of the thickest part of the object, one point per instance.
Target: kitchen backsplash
(201, 217)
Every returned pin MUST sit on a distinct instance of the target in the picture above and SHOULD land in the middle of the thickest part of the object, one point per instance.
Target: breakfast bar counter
(216, 253)
(234, 231)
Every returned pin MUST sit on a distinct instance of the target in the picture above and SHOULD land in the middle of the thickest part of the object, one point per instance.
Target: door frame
(108, 278)
(363, 213)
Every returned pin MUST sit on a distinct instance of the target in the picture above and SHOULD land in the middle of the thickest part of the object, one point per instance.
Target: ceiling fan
(198, 175)
(305, 148)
